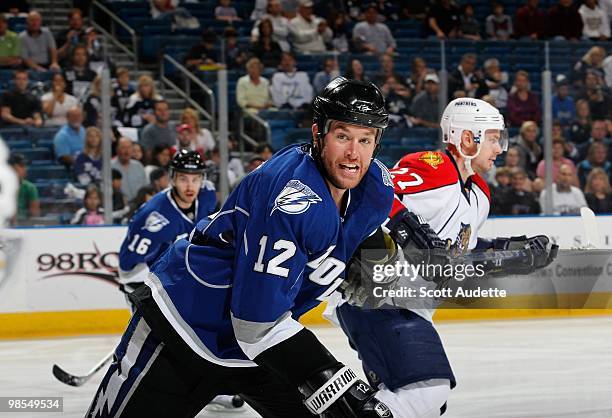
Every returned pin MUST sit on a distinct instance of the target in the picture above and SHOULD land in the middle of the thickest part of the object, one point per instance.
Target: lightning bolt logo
(295, 198)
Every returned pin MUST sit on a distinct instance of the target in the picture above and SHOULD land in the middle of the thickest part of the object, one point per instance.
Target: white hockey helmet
(8, 186)
(476, 116)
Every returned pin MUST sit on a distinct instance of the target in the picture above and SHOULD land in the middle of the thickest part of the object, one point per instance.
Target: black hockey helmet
(186, 161)
(351, 101)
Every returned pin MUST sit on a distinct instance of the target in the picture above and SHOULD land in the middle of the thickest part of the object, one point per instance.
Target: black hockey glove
(365, 271)
(419, 243)
(515, 255)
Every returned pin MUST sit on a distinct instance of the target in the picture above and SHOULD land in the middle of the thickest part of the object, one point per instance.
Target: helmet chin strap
(467, 159)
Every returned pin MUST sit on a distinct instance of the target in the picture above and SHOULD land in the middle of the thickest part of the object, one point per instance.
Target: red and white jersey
(429, 185)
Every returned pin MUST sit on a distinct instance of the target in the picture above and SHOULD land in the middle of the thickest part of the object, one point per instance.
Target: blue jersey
(278, 247)
(155, 226)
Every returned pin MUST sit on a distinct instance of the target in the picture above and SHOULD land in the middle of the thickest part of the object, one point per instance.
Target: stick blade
(591, 232)
(66, 377)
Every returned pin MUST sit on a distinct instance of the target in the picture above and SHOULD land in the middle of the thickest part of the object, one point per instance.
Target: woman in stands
(57, 102)
(266, 48)
(92, 212)
(88, 163)
(355, 71)
(139, 110)
(598, 193)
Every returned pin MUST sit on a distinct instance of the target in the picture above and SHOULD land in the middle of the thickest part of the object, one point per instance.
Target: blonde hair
(189, 111)
(597, 172)
(588, 57)
(144, 80)
(88, 149)
(529, 124)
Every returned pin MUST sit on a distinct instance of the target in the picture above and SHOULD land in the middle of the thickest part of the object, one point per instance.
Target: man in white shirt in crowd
(290, 88)
(252, 90)
(132, 172)
(567, 199)
(595, 21)
(371, 36)
(309, 33)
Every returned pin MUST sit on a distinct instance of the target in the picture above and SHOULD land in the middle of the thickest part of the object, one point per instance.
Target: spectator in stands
(290, 88)
(95, 52)
(496, 81)
(138, 153)
(55, 104)
(595, 21)
(28, 203)
(502, 182)
(253, 90)
(523, 105)
(564, 22)
(139, 109)
(265, 151)
(92, 212)
(203, 53)
(324, 77)
(203, 137)
(254, 162)
(213, 170)
(592, 60)
(161, 157)
(280, 26)
(14, 7)
(467, 78)
(567, 199)
(185, 140)
(78, 75)
(387, 69)
(93, 104)
(469, 28)
(563, 107)
(416, 78)
(70, 37)
(598, 134)
(226, 12)
(527, 144)
(339, 24)
(159, 179)
(397, 99)
(425, 109)
(598, 96)
(598, 193)
(443, 19)
(88, 163)
(354, 70)
(19, 107)
(132, 172)
(122, 91)
(514, 159)
(180, 17)
(499, 25)
(235, 54)
(160, 132)
(597, 157)
(607, 68)
(10, 46)
(309, 33)
(558, 159)
(259, 10)
(530, 21)
(70, 139)
(120, 205)
(266, 48)
(517, 199)
(372, 36)
(38, 49)
(580, 129)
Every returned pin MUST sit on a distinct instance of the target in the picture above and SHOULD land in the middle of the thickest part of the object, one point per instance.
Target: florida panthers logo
(155, 222)
(462, 242)
(295, 198)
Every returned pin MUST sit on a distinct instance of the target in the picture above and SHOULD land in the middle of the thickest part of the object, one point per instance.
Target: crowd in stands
(284, 30)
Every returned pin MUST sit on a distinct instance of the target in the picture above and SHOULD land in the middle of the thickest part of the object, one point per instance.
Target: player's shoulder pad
(152, 215)
(482, 185)
(422, 171)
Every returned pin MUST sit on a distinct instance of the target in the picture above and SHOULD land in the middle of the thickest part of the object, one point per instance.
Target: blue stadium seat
(47, 172)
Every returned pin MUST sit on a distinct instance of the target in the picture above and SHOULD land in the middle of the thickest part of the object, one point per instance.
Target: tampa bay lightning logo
(295, 198)
(155, 222)
(385, 173)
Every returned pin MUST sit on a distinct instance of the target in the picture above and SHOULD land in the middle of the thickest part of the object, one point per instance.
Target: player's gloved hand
(336, 392)
(542, 250)
(365, 271)
(419, 242)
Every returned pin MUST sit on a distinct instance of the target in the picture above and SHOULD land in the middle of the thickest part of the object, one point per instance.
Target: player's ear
(315, 130)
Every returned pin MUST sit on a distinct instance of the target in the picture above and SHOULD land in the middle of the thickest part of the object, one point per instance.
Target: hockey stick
(593, 239)
(72, 380)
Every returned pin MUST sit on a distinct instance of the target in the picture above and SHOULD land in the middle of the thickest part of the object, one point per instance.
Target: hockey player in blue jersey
(220, 310)
(441, 203)
(170, 215)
